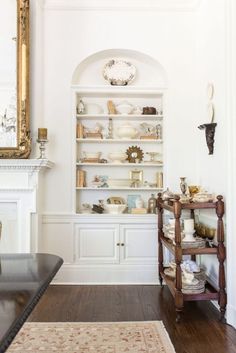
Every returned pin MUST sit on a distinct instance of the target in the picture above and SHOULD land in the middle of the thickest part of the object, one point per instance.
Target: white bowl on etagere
(117, 157)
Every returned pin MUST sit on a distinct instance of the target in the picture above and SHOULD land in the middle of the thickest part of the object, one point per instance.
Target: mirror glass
(15, 141)
(8, 74)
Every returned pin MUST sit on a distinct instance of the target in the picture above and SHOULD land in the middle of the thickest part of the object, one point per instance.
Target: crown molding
(131, 5)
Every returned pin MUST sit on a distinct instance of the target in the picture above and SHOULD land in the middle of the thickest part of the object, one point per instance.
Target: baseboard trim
(231, 315)
(102, 275)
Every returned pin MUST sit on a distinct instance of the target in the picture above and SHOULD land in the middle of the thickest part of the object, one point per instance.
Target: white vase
(139, 203)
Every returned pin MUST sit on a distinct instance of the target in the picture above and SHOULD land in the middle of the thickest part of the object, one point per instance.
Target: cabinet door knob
(118, 244)
(122, 244)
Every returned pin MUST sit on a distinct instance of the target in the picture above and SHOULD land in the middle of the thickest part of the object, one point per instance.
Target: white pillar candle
(188, 225)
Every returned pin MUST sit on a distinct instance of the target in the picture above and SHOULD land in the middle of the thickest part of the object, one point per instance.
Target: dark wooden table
(23, 280)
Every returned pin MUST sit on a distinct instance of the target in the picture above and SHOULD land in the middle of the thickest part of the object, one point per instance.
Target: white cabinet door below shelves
(97, 243)
(140, 244)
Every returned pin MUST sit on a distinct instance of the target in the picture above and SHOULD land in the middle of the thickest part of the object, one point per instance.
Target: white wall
(216, 45)
(211, 66)
(71, 36)
(189, 42)
(211, 54)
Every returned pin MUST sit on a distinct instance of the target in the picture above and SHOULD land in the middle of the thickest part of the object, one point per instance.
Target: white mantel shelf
(25, 165)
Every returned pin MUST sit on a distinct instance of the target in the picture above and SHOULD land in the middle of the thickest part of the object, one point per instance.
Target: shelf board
(121, 164)
(210, 293)
(126, 215)
(190, 206)
(119, 188)
(191, 251)
(119, 117)
(109, 90)
(89, 140)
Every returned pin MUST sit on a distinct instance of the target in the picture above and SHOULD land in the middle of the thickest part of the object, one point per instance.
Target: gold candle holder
(42, 140)
(42, 133)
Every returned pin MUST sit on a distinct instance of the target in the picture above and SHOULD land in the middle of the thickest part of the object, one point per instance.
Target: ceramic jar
(139, 202)
(126, 131)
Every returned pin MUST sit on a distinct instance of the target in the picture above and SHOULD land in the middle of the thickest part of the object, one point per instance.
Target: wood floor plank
(198, 332)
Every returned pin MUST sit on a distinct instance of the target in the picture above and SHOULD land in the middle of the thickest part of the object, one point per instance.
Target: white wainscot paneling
(97, 243)
(102, 249)
(140, 243)
(57, 239)
(8, 216)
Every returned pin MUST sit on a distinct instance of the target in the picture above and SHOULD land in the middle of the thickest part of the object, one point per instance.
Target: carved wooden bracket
(210, 134)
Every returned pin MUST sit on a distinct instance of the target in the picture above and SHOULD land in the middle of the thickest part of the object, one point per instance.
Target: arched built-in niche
(150, 73)
(146, 90)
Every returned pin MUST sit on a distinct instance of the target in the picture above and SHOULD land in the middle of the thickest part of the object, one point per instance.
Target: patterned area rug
(96, 337)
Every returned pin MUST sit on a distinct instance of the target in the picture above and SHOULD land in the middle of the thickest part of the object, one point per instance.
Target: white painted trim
(107, 275)
(122, 5)
(231, 155)
(231, 315)
(99, 218)
(25, 165)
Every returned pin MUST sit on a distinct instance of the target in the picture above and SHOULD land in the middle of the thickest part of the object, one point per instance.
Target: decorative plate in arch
(119, 72)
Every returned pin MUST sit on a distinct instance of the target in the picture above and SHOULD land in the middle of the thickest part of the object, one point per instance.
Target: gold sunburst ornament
(134, 154)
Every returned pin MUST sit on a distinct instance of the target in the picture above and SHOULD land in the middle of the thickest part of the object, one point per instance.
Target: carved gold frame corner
(23, 148)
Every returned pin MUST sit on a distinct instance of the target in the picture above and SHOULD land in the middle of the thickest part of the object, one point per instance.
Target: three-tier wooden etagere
(175, 285)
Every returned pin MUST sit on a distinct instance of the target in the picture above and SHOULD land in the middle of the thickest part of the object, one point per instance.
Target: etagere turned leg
(193, 257)
(160, 233)
(178, 260)
(222, 301)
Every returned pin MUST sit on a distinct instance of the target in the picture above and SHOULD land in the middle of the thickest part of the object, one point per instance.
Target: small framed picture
(131, 201)
(136, 175)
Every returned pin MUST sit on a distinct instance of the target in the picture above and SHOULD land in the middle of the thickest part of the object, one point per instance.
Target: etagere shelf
(211, 292)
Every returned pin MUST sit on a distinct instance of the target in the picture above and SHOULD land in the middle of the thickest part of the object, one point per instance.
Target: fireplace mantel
(25, 164)
(21, 191)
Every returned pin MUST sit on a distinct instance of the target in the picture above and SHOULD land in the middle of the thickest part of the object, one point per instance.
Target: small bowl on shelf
(124, 108)
(117, 157)
(127, 131)
(114, 208)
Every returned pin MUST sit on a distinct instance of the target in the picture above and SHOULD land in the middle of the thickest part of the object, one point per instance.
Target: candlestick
(42, 133)
(42, 140)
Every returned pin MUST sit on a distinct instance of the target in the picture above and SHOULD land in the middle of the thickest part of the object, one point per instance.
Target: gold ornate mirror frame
(23, 146)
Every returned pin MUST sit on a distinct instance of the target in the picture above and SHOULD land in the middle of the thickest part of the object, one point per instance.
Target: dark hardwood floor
(199, 331)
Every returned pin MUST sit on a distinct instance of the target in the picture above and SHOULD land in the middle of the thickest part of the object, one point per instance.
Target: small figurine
(81, 107)
(86, 208)
(148, 129)
(98, 128)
